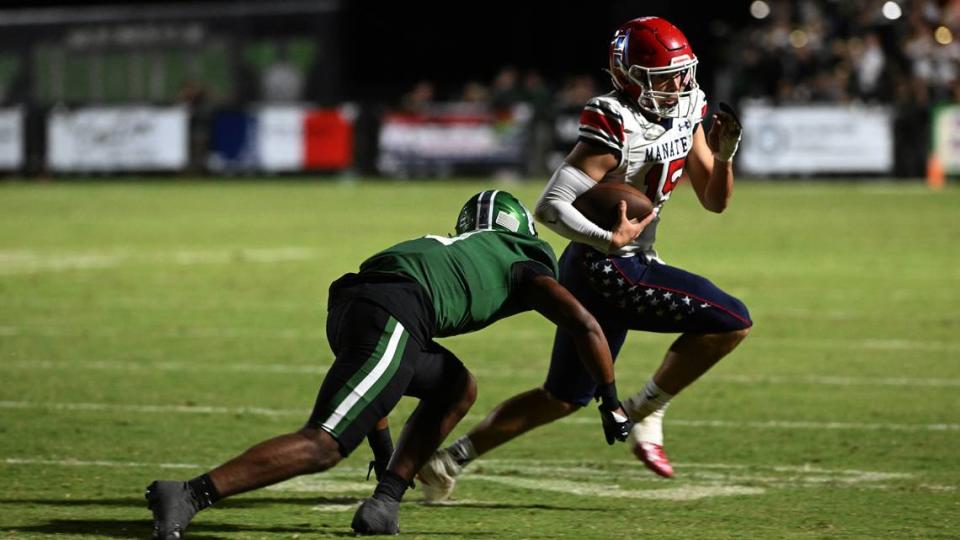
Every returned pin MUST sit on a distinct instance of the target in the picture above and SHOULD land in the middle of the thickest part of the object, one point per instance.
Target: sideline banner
(11, 139)
(282, 138)
(135, 138)
(448, 138)
(946, 137)
(816, 139)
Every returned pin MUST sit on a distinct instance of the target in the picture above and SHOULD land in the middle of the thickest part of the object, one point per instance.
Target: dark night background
(391, 45)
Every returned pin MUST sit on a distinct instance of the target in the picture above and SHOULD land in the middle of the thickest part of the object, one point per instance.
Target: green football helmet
(495, 210)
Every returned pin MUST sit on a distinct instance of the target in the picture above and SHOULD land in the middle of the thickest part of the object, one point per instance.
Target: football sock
(643, 404)
(203, 491)
(462, 451)
(391, 486)
(382, 445)
(651, 428)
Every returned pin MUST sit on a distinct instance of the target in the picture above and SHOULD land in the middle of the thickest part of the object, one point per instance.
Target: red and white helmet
(649, 49)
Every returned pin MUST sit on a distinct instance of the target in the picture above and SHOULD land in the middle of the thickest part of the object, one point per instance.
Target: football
(599, 203)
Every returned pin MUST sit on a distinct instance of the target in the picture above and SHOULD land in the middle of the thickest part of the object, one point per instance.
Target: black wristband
(607, 392)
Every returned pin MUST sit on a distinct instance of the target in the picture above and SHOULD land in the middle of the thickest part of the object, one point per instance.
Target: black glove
(615, 426)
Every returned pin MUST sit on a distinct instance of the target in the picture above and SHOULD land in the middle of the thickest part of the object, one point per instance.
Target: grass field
(152, 330)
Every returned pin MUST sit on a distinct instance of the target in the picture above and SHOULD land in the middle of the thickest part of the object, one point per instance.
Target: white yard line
(75, 331)
(575, 477)
(32, 262)
(264, 411)
(319, 369)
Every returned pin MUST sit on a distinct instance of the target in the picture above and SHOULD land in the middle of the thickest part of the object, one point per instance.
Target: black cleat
(376, 516)
(173, 507)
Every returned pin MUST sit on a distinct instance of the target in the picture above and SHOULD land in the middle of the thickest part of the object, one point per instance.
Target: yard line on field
(835, 380)
(906, 345)
(576, 477)
(794, 424)
(169, 304)
(683, 493)
(265, 411)
(61, 331)
(32, 262)
(96, 463)
(66, 331)
(320, 369)
(177, 409)
(180, 367)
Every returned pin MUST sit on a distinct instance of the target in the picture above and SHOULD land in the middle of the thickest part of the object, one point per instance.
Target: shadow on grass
(142, 528)
(126, 528)
(140, 502)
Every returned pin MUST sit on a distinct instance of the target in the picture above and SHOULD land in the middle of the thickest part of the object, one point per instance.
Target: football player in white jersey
(647, 132)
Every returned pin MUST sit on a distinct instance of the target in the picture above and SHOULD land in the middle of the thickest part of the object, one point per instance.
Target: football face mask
(652, 62)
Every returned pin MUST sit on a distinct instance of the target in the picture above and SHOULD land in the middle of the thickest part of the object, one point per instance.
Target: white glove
(725, 133)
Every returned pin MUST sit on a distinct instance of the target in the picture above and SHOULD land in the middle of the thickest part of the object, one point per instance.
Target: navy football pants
(632, 293)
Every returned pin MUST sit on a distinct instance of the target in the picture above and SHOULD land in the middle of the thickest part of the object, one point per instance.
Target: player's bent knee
(324, 450)
(557, 406)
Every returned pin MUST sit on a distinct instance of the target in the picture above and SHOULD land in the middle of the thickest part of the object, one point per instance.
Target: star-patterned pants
(632, 293)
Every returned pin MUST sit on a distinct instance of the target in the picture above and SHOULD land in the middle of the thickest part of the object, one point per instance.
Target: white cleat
(438, 477)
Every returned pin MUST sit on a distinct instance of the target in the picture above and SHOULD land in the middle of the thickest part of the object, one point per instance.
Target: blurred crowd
(839, 51)
(902, 54)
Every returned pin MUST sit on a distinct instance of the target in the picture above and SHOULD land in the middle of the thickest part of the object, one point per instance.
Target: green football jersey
(470, 278)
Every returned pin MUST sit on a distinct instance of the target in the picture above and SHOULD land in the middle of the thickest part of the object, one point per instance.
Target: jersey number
(656, 176)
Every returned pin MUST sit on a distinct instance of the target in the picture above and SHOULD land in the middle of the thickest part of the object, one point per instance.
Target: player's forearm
(594, 352)
(555, 209)
(720, 186)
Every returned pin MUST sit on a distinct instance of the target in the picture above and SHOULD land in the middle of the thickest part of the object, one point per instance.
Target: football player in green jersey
(381, 325)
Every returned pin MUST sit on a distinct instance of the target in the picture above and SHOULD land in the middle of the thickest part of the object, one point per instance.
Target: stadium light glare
(798, 38)
(759, 9)
(891, 10)
(943, 35)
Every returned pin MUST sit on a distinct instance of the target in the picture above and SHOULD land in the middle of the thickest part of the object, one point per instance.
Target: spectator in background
(475, 93)
(506, 90)
(419, 98)
(282, 81)
(870, 61)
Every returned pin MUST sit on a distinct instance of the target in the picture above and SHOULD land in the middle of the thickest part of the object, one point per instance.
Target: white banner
(946, 137)
(280, 138)
(816, 139)
(11, 139)
(139, 138)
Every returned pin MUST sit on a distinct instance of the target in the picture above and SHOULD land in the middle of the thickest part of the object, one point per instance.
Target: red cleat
(653, 457)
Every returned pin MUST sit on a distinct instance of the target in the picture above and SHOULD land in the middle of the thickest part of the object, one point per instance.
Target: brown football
(599, 203)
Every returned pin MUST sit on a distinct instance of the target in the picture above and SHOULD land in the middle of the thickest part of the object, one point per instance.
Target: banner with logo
(282, 139)
(814, 139)
(11, 139)
(135, 138)
(946, 137)
(449, 138)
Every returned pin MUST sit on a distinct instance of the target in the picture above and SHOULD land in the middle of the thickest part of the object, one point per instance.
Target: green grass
(142, 323)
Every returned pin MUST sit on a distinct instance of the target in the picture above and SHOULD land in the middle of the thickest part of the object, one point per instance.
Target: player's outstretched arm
(552, 300)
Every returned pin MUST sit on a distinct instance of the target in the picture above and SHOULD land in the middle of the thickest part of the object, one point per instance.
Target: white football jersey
(652, 153)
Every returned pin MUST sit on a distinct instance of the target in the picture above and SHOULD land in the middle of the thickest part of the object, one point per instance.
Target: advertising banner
(816, 139)
(139, 138)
